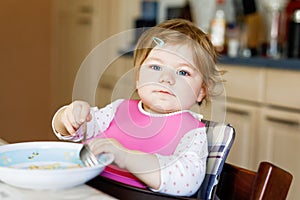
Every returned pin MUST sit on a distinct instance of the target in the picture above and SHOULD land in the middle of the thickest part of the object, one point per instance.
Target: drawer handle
(237, 111)
(86, 9)
(84, 21)
(283, 121)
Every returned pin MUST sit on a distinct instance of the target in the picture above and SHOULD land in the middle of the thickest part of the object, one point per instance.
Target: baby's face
(169, 81)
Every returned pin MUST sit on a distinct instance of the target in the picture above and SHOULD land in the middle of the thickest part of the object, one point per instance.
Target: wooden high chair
(270, 182)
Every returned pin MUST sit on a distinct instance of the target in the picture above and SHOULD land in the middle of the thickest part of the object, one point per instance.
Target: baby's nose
(167, 76)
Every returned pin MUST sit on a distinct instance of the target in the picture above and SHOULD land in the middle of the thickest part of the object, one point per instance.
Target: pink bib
(148, 133)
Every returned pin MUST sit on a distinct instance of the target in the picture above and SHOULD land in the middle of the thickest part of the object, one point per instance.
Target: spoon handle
(84, 130)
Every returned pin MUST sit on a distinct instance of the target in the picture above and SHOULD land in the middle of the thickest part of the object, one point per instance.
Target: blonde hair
(180, 31)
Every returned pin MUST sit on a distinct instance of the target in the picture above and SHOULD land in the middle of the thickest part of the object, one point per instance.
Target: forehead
(169, 53)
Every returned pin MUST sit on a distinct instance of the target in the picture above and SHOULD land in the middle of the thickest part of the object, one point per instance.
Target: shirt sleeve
(183, 172)
(101, 119)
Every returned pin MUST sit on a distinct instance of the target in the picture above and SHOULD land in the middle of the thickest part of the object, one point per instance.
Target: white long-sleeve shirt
(182, 172)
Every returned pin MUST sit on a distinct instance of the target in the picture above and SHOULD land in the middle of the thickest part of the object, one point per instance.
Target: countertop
(283, 63)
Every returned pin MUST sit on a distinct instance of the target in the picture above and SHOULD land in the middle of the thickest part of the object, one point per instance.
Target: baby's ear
(202, 94)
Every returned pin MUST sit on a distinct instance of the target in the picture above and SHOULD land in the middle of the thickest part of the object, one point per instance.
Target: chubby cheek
(142, 91)
(145, 93)
(187, 93)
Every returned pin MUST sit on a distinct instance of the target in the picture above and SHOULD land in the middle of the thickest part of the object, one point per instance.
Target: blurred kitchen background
(44, 42)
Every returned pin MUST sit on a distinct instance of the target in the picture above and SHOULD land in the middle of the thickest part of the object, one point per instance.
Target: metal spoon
(86, 155)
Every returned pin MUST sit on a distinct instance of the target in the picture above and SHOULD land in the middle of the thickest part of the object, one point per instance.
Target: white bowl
(46, 165)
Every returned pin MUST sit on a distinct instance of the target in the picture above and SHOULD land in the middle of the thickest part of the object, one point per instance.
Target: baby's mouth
(165, 92)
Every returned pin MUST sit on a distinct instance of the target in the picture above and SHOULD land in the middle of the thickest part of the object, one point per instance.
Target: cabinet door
(244, 119)
(73, 28)
(282, 88)
(279, 143)
(244, 83)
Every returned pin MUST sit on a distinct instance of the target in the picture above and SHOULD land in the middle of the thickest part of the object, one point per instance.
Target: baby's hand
(109, 145)
(74, 115)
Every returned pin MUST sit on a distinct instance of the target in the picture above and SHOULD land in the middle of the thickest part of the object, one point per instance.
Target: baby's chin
(162, 108)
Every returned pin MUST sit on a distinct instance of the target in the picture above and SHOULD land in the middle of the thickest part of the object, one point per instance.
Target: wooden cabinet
(279, 142)
(279, 138)
(244, 89)
(244, 83)
(263, 104)
(282, 88)
(244, 118)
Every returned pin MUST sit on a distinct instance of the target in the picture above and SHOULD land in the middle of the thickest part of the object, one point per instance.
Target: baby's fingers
(69, 122)
(81, 112)
(112, 146)
(100, 145)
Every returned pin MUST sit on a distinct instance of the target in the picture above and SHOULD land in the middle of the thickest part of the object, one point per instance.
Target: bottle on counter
(233, 40)
(218, 27)
(294, 35)
(252, 30)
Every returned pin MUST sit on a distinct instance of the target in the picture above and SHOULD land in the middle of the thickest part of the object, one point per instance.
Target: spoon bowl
(86, 155)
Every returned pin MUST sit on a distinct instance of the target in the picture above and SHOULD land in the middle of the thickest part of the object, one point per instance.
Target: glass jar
(275, 27)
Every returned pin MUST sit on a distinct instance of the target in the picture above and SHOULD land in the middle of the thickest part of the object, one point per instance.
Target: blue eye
(156, 67)
(183, 73)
